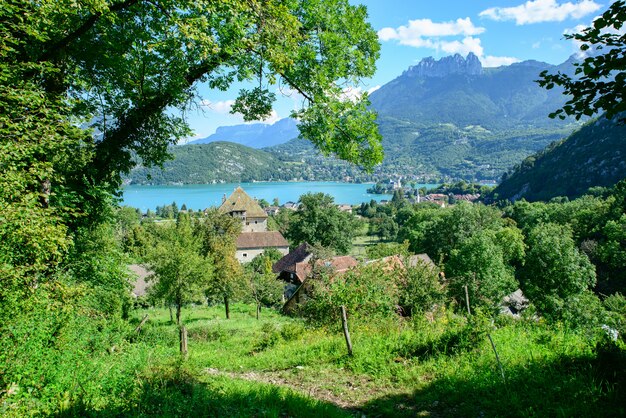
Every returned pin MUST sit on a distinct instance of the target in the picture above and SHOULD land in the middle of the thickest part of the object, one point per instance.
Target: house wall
(245, 255)
(254, 225)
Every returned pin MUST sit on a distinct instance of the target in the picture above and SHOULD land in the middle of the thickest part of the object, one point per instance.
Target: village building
(295, 270)
(272, 210)
(291, 205)
(345, 208)
(254, 237)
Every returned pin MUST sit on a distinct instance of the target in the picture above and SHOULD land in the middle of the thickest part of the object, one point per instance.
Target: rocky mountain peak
(454, 64)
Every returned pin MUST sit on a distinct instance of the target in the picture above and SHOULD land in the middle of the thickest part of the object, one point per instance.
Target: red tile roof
(288, 262)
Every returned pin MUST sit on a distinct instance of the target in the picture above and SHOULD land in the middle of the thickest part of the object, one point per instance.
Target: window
(245, 255)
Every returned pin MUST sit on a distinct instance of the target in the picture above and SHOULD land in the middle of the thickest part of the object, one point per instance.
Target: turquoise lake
(201, 196)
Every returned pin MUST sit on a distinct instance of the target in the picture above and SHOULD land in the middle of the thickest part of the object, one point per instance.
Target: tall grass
(279, 366)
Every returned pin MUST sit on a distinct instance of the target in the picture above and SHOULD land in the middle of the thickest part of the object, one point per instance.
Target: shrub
(419, 289)
(367, 292)
(292, 331)
(555, 269)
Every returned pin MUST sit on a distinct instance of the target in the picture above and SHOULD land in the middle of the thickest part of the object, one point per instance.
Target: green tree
(180, 272)
(599, 81)
(480, 264)
(555, 270)
(265, 288)
(218, 234)
(318, 221)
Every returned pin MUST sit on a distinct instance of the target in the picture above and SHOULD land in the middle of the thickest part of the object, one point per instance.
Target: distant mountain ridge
(459, 91)
(440, 120)
(454, 64)
(254, 135)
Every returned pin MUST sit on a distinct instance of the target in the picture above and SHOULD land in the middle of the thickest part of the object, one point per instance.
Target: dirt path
(351, 392)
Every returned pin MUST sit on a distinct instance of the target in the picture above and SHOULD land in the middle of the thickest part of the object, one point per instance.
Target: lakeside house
(345, 208)
(254, 237)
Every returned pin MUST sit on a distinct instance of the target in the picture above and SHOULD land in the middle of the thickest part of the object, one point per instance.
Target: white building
(254, 237)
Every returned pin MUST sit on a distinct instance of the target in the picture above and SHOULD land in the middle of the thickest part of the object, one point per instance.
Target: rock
(514, 304)
(456, 64)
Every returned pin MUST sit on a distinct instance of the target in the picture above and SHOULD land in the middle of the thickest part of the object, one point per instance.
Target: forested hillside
(209, 163)
(593, 156)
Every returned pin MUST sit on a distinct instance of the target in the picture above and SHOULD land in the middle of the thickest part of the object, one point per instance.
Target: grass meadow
(283, 367)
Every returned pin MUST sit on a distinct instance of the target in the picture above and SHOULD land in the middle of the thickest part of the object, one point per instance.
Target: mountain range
(254, 135)
(440, 120)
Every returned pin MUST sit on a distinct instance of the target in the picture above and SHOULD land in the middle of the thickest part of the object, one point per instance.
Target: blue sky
(499, 32)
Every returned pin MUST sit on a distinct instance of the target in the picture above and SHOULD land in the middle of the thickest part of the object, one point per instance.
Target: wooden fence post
(346, 333)
(143, 321)
(497, 357)
(183, 341)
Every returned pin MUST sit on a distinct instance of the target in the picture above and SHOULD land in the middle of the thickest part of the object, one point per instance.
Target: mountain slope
(440, 120)
(255, 135)
(593, 156)
(459, 91)
(208, 163)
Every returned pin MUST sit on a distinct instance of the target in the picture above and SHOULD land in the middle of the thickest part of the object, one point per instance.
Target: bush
(419, 289)
(367, 292)
(292, 331)
(270, 335)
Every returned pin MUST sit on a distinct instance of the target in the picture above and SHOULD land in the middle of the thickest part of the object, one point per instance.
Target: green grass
(278, 366)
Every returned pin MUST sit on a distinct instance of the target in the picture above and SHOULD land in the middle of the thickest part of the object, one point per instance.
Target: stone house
(254, 237)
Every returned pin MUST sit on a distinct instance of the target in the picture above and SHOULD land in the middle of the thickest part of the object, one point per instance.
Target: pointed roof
(239, 201)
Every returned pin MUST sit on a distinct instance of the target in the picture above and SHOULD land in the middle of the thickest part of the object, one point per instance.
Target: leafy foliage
(598, 84)
(555, 270)
(319, 222)
(181, 273)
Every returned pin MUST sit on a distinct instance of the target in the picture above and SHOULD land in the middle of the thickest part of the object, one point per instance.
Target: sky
(499, 32)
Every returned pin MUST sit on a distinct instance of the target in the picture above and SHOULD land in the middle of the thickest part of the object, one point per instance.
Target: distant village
(296, 266)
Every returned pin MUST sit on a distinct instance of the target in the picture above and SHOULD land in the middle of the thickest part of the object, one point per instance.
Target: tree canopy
(318, 221)
(88, 88)
(599, 83)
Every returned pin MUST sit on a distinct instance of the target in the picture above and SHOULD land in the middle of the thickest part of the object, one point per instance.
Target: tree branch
(89, 23)
(112, 152)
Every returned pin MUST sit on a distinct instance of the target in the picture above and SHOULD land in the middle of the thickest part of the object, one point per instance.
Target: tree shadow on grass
(567, 387)
(181, 395)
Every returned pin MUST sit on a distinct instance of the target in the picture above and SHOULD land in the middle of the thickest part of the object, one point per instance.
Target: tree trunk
(183, 341)
(178, 314)
(171, 314)
(258, 310)
(226, 307)
(346, 333)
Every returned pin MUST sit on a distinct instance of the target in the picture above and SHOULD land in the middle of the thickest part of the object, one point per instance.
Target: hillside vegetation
(209, 163)
(594, 156)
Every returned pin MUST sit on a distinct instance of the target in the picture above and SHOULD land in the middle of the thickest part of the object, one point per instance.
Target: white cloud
(353, 93)
(417, 32)
(463, 47)
(536, 11)
(460, 34)
(222, 107)
(491, 61)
